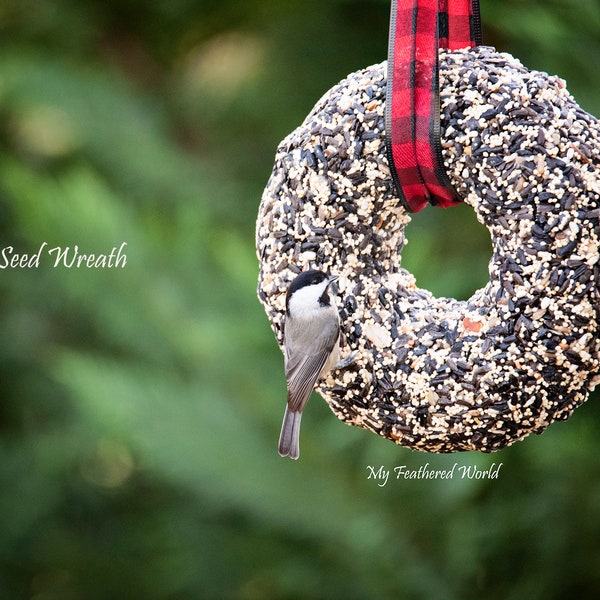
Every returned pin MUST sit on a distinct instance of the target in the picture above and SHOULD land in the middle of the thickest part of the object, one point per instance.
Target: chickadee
(311, 346)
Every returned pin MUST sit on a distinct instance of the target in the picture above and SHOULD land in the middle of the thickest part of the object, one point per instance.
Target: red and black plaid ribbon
(418, 29)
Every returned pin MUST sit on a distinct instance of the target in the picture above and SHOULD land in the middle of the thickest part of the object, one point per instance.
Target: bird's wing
(303, 369)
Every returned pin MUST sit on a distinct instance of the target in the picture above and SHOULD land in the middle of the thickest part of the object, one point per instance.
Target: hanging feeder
(437, 374)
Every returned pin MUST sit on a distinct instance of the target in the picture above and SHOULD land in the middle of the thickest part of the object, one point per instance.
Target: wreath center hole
(448, 251)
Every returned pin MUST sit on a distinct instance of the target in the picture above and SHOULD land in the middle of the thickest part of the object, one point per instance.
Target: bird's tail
(289, 439)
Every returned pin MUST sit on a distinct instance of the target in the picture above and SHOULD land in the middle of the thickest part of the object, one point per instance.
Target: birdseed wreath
(437, 374)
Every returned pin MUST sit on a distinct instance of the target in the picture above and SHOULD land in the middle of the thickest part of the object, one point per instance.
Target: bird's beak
(333, 278)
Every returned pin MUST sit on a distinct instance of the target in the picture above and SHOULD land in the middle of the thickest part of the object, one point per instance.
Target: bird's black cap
(312, 277)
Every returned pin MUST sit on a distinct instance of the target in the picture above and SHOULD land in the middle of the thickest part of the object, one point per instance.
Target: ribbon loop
(418, 28)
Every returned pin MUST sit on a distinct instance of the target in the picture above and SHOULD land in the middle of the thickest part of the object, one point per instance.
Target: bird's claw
(346, 362)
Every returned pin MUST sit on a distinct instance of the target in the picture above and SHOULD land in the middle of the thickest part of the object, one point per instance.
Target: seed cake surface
(437, 374)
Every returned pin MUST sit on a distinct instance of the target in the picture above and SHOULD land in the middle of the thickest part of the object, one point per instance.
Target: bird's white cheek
(304, 304)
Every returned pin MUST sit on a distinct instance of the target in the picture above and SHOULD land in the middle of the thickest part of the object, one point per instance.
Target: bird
(311, 348)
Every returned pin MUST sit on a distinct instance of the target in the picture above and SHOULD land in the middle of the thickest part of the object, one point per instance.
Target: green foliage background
(140, 408)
